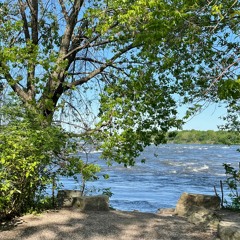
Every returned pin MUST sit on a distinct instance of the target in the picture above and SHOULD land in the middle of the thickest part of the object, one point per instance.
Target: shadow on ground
(112, 225)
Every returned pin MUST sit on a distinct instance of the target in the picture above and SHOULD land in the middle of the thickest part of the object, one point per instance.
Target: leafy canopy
(117, 70)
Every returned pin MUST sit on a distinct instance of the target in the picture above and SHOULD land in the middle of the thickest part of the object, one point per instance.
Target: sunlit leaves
(233, 184)
(30, 155)
(139, 58)
(134, 120)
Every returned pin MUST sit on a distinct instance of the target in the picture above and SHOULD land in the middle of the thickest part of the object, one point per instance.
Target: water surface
(169, 171)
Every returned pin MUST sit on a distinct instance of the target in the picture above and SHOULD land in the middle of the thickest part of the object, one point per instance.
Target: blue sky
(208, 119)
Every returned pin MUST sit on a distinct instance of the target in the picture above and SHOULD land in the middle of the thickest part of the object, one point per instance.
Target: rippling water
(169, 171)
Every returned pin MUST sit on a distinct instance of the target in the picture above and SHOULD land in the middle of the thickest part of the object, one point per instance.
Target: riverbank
(104, 225)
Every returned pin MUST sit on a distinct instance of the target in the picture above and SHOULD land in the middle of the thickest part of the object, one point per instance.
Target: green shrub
(233, 183)
(29, 157)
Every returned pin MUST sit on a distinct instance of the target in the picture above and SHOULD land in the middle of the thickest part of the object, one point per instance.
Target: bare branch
(67, 36)
(64, 10)
(33, 5)
(75, 48)
(101, 68)
(81, 47)
(97, 44)
(15, 86)
(24, 18)
(78, 73)
(87, 59)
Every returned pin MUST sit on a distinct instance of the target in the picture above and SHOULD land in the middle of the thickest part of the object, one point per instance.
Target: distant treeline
(204, 137)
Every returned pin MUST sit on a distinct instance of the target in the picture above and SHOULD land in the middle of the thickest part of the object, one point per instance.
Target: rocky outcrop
(72, 198)
(190, 202)
(199, 208)
(205, 217)
(205, 209)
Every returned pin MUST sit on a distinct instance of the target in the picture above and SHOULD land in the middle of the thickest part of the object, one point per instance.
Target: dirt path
(112, 225)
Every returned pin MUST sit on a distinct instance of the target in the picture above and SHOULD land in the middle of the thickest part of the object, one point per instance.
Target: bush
(31, 155)
(233, 183)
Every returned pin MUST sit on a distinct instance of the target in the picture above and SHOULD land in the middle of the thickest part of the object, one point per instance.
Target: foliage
(117, 70)
(86, 170)
(26, 153)
(136, 120)
(233, 183)
(204, 137)
(32, 154)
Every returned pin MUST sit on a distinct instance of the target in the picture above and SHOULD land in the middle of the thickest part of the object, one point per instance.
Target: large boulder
(73, 198)
(190, 202)
(199, 208)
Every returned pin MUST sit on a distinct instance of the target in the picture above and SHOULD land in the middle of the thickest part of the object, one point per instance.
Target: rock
(191, 203)
(206, 217)
(92, 203)
(65, 197)
(73, 198)
(199, 209)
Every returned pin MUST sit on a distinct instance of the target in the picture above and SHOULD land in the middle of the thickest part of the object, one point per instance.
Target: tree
(136, 59)
(115, 70)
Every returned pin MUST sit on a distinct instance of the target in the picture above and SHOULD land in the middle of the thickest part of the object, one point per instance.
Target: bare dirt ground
(112, 225)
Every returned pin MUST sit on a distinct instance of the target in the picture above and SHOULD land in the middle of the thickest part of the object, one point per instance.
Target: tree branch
(24, 18)
(101, 68)
(71, 23)
(77, 49)
(15, 87)
(87, 59)
(74, 48)
(33, 5)
(64, 10)
(57, 78)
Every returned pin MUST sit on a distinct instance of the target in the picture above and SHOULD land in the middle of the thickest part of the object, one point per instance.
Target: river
(169, 171)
